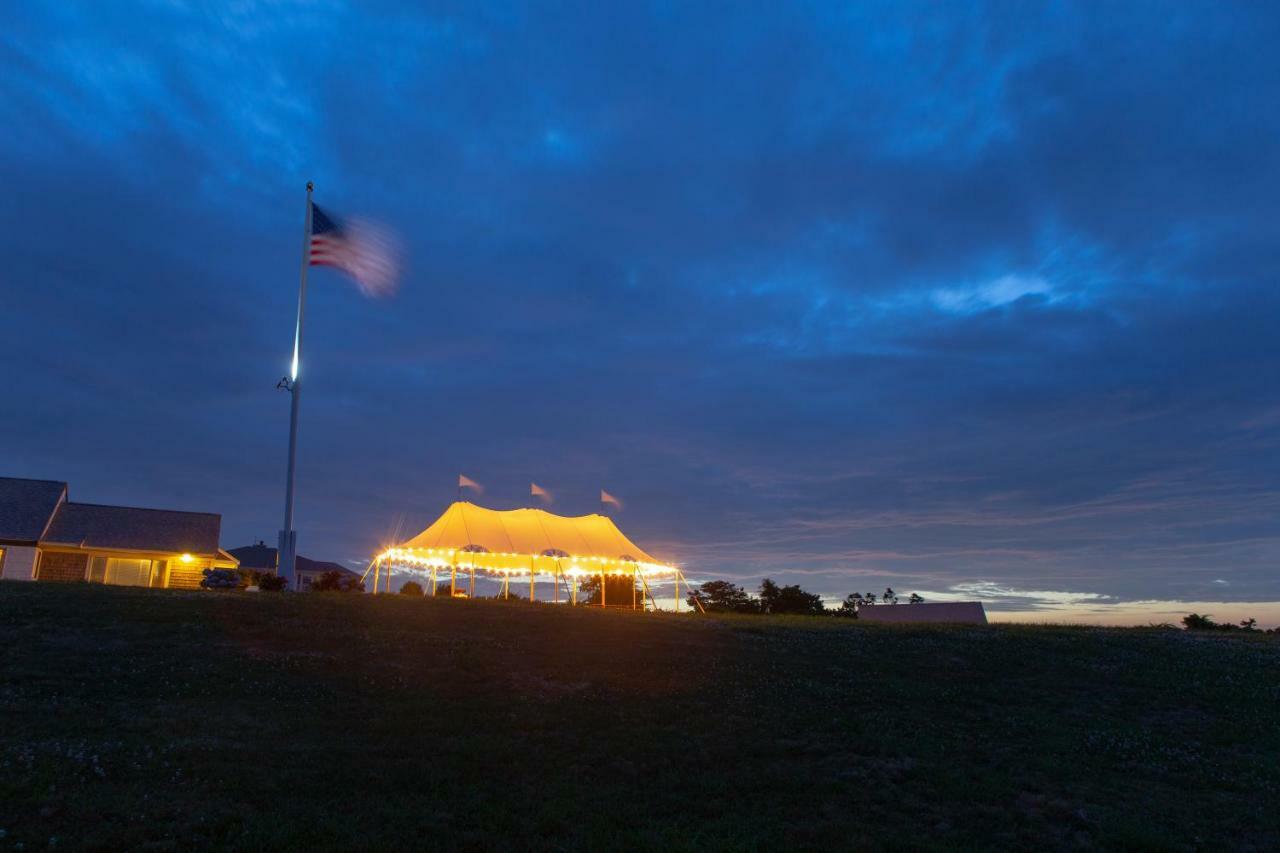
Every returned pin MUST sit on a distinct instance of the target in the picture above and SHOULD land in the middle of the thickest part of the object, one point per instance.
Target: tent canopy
(525, 540)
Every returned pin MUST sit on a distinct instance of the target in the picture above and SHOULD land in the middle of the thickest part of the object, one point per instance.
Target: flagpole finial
(310, 186)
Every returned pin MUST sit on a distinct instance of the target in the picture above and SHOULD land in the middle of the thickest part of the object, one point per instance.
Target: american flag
(365, 252)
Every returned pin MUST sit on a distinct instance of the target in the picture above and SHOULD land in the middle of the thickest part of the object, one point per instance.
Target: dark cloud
(893, 293)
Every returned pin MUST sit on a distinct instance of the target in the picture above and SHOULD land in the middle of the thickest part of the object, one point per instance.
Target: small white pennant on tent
(465, 482)
(606, 498)
(538, 492)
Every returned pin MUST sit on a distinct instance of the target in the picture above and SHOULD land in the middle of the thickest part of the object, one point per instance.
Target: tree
(869, 599)
(411, 588)
(788, 599)
(768, 595)
(890, 597)
(617, 590)
(849, 607)
(1249, 624)
(915, 599)
(336, 581)
(723, 597)
(1197, 622)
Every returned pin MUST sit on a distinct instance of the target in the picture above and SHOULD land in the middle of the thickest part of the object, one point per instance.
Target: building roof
(955, 612)
(134, 529)
(263, 557)
(303, 564)
(260, 556)
(469, 528)
(26, 506)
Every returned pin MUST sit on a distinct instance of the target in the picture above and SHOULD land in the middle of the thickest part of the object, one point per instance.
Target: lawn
(160, 719)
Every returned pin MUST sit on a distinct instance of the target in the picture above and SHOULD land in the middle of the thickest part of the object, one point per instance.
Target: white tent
(523, 542)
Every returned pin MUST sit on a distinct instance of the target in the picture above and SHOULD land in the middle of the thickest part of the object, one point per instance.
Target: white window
(121, 572)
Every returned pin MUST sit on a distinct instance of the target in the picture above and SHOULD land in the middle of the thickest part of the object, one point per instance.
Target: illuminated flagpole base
(286, 555)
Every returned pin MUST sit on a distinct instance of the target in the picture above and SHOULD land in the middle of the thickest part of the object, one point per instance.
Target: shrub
(265, 581)
(1202, 622)
(221, 579)
(411, 588)
(337, 582)
(268, 582)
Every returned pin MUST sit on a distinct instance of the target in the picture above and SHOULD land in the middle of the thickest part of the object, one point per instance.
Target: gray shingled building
(44, 536)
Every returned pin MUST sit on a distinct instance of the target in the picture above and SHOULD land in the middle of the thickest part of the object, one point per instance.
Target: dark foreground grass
(133, 718)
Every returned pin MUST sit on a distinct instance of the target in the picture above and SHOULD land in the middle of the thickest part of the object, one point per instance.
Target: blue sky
(972, 299)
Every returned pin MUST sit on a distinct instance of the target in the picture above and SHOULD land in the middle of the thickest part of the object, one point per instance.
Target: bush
(411, 588)
(337, 582)
(269, 582)
(1199, 622)
(265, 581)
(221, 579)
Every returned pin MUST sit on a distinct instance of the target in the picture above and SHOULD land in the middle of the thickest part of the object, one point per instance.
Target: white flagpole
(288, 536)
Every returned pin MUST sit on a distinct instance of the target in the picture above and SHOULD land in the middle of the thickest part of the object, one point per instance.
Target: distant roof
(304, 564)
(131, 528)
(263, 557)
(260, 556)
(955, 612)
(26, 507)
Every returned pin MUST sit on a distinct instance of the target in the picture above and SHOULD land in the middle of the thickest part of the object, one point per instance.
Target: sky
(975, 300)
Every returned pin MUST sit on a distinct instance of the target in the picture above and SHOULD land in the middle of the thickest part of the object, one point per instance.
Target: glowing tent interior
(470, 540)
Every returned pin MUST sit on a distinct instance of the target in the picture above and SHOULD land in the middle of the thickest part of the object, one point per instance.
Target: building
(953, 612)
(263, 558)
(259, 557)
(46, 537)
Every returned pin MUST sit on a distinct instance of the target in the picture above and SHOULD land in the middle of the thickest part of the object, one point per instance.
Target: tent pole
(697, 601)
(645, 582)
(472, 592)
(388, 574)
(433, 580)
(677, 590)
(555, 582)
(453, 576)
(531, 576)
(633, 587)
(602, 602)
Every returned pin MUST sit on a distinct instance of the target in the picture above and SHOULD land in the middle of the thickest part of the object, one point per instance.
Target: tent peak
(527, 531)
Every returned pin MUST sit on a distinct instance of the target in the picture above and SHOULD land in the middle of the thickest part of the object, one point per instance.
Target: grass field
(137, 718)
